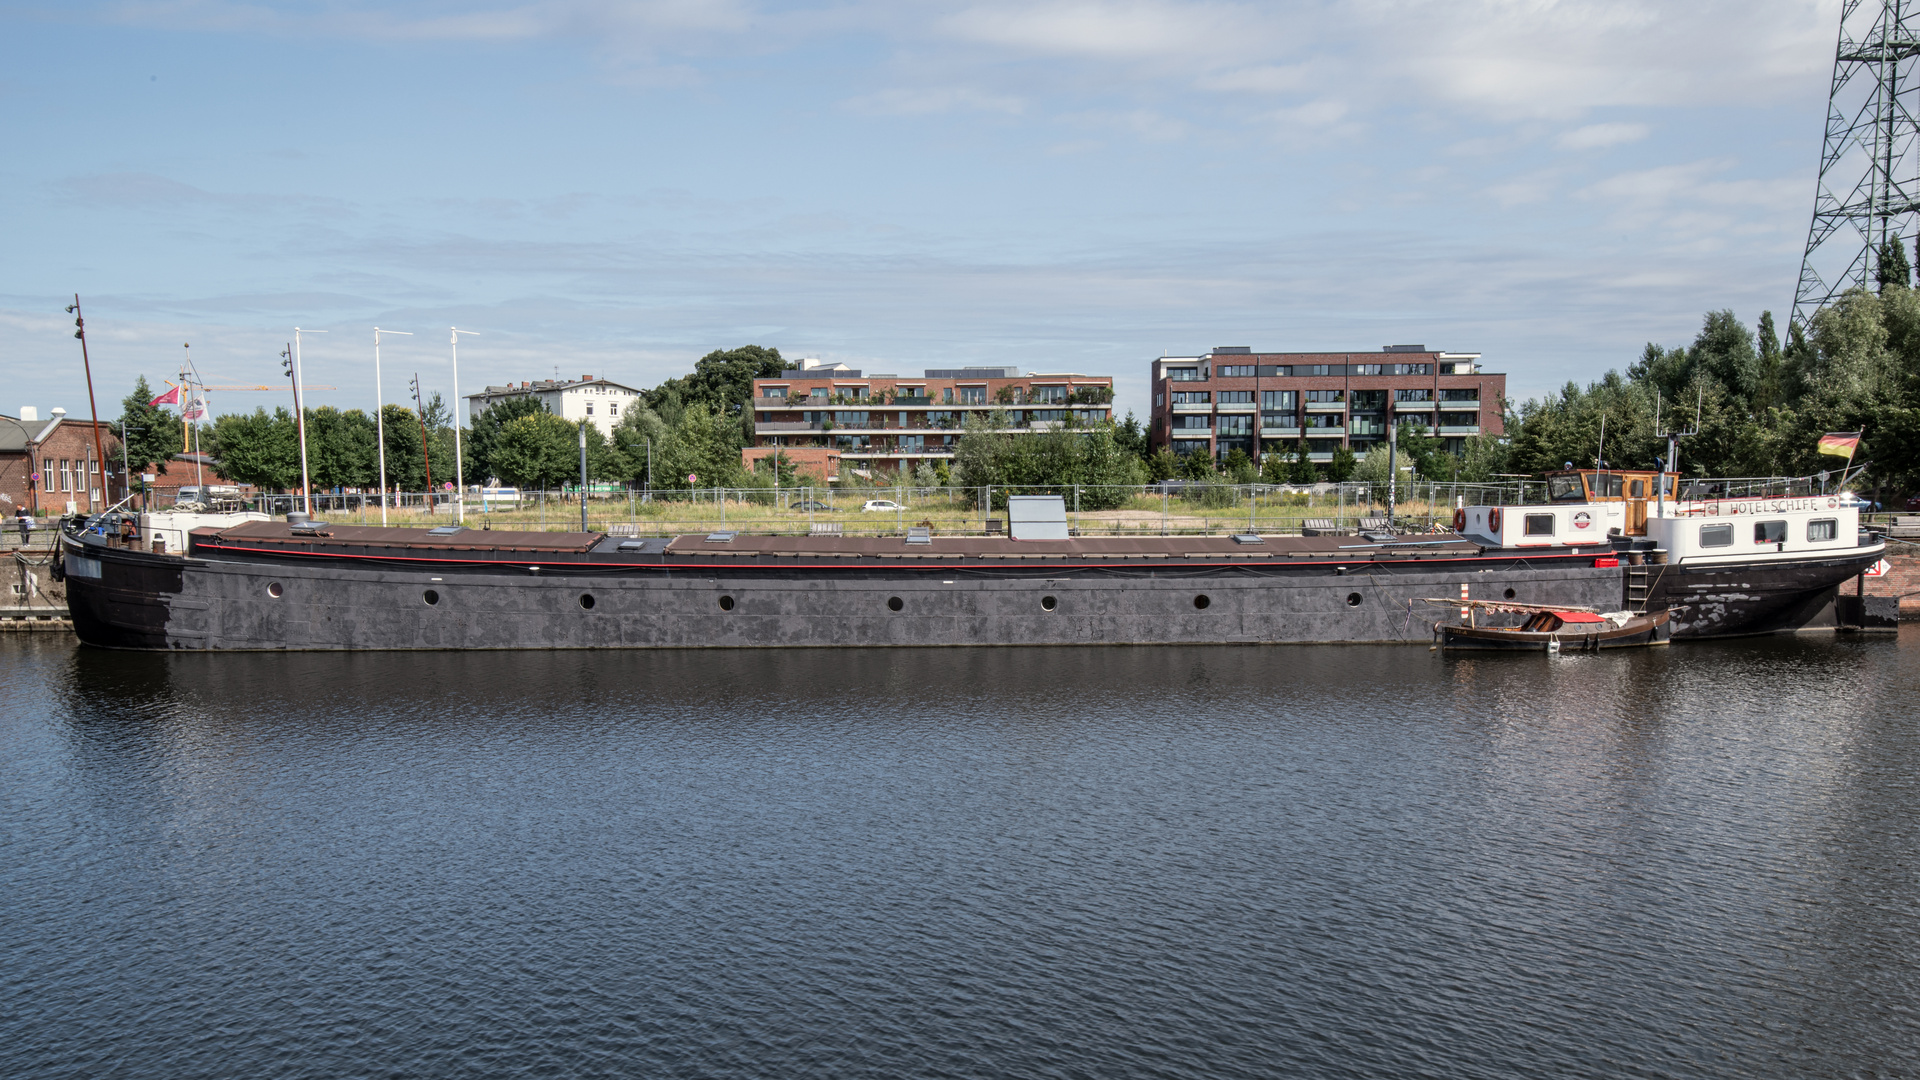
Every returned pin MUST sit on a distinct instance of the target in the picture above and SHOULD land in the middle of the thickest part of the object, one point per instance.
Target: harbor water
(1701, 861)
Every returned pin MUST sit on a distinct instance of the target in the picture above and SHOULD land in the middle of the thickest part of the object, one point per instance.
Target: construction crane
(303, 389)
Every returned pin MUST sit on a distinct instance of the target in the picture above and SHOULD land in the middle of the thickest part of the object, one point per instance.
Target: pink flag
(171, 397)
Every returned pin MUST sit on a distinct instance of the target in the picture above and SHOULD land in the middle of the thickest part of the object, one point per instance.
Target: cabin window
(1769, 532)
(1638, 489)
(1716, 536)
(1539, 524)
(1566, 489)
(1608, 486)
(1823, 529)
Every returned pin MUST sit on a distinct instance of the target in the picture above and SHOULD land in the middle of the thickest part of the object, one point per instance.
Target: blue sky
(617, 188)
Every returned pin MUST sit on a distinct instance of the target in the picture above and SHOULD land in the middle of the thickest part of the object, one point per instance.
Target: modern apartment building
(1234, 397)
(896, 421)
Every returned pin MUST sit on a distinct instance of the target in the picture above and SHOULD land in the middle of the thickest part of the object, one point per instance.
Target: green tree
(151, 433)
(340, 448)
(722, 380)
(1238, 467)
(257, 448)
(406, 467)
(1300, 469)
(536, 451)
(639, 437)
(1131, 437)
(1273, 466)
(1340, 469)
(486, 430)
(1890, 267)
(1162, 465)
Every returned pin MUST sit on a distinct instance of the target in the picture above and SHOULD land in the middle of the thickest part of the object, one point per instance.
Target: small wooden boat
(1552, 629)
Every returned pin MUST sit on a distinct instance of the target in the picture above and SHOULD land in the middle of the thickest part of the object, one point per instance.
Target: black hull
(282, 600)
(1740, 600)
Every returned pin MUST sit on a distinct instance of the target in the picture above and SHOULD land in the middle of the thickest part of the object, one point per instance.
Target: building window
(1369, 400)
(1319, 397)
(1281, 371)
(66, 474)
(1412, 369)
(946, 395)
(1279, 400)
(1769, 532)
(1716, 536)
(1325, 420)
(773, 391)
(1823, 529)
(1470, 394)
(1192, 397)
(1197, 420)
(589, 408)
(853, 419)
(973, 395)
(1539, 524)
(1053, 395)
(1236, 397)
(1459, 419)
(1237, 371)
(1184, 374)
(821, 393)
(1367, 369)
(1317, 369)
(1235, 425)
(1413, 395)
(613, 408)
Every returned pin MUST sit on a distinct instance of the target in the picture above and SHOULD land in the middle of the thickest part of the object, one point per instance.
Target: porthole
(726, 603)
(1201, 602)
(274, 590)
(586, 601)
(1047, 603)
(1353, 599)
(430, 597)
(894, 603)
(1509, 594)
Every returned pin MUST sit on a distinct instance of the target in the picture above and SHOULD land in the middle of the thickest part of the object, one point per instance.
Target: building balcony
(1279, 432)
(1320, 458)
(1325, 432)
(1248, 407)
(1413, 406)
(1467, 429)
(1193, 407)
(886, 454)
(1326, 406)
(1191, 433)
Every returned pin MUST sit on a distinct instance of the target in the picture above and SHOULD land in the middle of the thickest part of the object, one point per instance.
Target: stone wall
(1903, 581)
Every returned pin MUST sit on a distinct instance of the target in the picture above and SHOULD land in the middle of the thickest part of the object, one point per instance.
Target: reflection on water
(1075, 862)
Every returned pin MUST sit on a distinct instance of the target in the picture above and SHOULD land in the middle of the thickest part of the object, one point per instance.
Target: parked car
(811, 504)
(1913, 505)
(881, 506)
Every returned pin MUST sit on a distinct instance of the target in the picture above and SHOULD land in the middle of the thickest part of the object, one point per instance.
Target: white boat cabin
(1595, 506)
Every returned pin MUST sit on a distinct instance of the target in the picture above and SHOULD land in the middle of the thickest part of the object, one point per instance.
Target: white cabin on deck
(1592, 506)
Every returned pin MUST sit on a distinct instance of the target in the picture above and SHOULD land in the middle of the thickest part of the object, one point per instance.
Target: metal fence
(1170, 508)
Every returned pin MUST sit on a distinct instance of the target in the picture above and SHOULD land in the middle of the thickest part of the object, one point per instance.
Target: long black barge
(270, 585)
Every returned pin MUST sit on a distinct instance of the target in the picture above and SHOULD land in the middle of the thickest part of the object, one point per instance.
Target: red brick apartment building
(897, 422)
(49, 466)
(1234, 398)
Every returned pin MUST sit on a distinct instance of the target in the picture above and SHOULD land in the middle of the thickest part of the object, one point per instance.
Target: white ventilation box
(1037, 517)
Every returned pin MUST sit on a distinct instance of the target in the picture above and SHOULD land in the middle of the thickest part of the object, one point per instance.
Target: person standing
(26, 525)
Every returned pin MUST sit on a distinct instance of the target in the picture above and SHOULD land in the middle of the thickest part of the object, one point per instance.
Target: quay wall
(1902, 582)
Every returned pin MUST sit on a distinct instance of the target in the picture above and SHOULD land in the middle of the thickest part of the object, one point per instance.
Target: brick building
(1234, 398)
(49, 466)
(898, 422)
(814, 464)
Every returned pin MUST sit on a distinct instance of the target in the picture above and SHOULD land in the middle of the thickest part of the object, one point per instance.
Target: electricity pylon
(1869, 167)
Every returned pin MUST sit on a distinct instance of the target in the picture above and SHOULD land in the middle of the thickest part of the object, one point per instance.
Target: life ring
(1459, 520)
(1493, 520)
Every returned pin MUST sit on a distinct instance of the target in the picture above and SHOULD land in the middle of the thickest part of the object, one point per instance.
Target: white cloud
(910, 102)
(1601, 136)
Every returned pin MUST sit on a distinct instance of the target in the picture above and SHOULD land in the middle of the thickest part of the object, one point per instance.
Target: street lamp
(379, 420)
(459, 472)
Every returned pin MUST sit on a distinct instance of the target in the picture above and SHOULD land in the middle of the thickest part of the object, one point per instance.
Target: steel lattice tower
(1869, 164)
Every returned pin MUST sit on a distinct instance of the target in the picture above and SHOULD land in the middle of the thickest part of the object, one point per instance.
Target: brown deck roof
(383, 536)
(1001, 547)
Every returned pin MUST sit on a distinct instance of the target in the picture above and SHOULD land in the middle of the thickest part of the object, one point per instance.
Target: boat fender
(1493, 520)
(1459, 520)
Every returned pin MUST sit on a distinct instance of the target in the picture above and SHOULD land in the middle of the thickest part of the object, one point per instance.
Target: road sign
(1880, 569)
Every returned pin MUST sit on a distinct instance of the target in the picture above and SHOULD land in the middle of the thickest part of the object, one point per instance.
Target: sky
(617, 188)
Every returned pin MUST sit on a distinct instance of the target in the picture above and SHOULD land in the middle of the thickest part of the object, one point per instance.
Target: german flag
(1840, 443)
